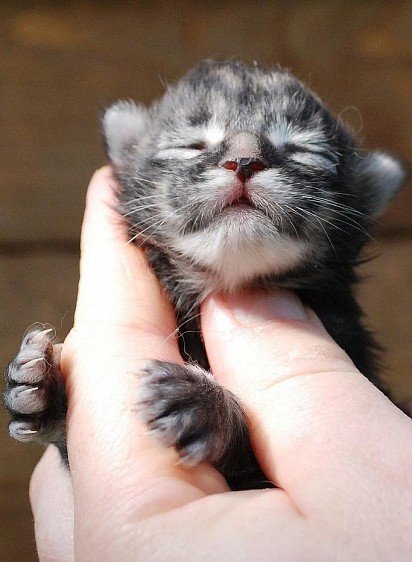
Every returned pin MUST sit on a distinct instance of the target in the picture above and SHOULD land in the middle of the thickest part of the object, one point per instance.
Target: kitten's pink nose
(244, 168)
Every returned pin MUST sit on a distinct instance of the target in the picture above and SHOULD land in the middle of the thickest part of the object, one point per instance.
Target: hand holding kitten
(338, 450)
(238, 179)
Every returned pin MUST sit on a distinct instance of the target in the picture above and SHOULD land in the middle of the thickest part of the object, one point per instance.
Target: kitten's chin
(240, 212)
(234, 260)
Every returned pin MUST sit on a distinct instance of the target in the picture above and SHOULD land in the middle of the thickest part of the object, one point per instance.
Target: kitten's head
(242, 172)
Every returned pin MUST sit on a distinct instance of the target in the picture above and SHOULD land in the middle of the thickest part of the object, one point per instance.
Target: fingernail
(254, 309)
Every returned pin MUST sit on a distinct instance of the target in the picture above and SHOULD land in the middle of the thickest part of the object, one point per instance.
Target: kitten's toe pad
(180, 405)
(34, 393)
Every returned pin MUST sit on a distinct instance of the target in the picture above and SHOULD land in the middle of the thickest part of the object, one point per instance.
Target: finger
(116, 285)
(311, 411)
(122, 319)
(51, 498)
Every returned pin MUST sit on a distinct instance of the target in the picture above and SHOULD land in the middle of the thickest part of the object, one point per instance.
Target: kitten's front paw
(185, 408)
(35, 395)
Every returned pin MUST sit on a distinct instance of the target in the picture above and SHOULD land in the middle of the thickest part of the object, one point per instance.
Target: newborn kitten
(238, 177)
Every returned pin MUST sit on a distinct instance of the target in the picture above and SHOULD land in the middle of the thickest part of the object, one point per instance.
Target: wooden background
(60, 62)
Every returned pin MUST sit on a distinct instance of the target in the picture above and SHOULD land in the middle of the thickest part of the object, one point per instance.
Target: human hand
(338, 450)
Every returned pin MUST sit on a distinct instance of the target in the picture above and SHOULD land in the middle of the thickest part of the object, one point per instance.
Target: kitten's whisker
(144, 198)
(155, 230)
(341, 210)
(354, 225)
(138, 178)
(293, 210)
(138, 209)
(344, 212)
(277, 210)
(322, 190)
(157, 224)
(318, 219)
(147, 228)
(322, 219)
(336, 204)
(178, 329)
(349, 221)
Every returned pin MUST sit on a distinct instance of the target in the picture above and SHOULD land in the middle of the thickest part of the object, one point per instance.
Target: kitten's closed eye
(314, 157)
(196, 146)
(182, 151)
(316, 160)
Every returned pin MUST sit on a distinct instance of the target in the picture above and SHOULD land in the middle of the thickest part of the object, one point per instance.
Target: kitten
(239, 177)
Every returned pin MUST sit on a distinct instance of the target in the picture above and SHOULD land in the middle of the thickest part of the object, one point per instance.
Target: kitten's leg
(35, 394)
(184, 407)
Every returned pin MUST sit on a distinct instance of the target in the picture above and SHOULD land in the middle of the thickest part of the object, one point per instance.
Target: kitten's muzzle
(245, 168)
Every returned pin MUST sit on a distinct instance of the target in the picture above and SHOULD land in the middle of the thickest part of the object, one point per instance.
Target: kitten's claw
(20, 431)
(34, 393)
(184, 407)
(26, 399)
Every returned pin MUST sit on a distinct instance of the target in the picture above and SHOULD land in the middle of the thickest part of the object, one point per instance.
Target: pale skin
(339, 451)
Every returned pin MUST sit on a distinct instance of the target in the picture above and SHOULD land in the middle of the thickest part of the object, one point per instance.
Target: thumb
(305, 400)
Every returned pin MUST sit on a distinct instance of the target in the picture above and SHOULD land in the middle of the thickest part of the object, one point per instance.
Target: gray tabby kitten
(239, 177)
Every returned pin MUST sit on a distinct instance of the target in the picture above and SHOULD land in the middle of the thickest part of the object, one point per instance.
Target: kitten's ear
(123, 125)
(380, 176)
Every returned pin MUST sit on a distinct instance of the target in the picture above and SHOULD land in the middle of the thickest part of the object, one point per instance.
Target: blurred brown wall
(60, 62)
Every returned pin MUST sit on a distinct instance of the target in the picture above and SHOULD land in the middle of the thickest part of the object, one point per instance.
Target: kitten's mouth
(242, 201)
(239, 205)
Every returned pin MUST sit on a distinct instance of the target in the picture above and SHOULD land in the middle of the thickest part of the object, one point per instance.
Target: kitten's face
(241, 171)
